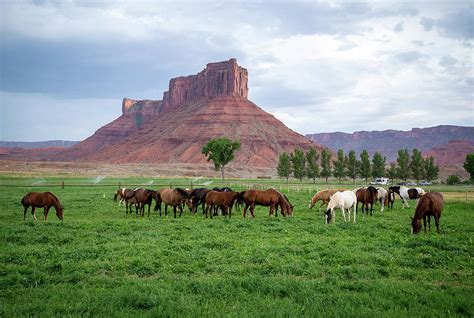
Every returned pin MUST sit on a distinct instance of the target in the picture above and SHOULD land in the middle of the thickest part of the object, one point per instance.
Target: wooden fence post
(62, 185)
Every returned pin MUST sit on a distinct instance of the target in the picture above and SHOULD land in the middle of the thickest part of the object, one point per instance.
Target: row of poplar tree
(312, 165)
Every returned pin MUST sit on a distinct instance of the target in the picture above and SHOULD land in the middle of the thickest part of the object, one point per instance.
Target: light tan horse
(324, 196)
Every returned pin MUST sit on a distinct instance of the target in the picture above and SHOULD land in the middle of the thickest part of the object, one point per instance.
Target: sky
(318, 66)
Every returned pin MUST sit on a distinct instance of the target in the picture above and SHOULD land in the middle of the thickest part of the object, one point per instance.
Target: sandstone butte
(197, 108)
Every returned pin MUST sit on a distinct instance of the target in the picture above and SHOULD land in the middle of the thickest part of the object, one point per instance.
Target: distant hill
(388, 142)
(38, 144)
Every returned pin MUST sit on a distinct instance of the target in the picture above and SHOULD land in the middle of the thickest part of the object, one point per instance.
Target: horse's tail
(24, 201)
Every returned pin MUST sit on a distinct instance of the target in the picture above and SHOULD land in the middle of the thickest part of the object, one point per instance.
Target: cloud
(408, 56)
(427, 23)
(458, 24)
(398, 27)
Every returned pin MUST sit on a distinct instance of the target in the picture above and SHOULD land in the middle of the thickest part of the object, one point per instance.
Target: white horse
(341, 200)
(408, 194)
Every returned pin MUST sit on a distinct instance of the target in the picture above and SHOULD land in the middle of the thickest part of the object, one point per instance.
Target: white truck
(380, 181)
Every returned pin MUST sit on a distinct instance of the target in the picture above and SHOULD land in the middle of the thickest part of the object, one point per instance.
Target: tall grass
(98, 262)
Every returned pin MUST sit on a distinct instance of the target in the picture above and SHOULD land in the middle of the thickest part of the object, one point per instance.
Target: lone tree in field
(339, 172)
(430, 170)
(284, 166)
(378, 165)
(403, 162)
(312, 167)
(352, 165)
(325, 164)
(469, 165)
(416, 165)
(298, 161)
(221, 152)
(364, 169)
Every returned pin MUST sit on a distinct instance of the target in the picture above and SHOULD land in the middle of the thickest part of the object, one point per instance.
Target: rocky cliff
(197, 108)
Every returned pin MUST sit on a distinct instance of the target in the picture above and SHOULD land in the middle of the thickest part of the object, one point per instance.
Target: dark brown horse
(252, 197)
(430, 205)
(145, 197)
(174, 197)
(389, 199)
(366, 196)
(42, 200)
(198, 197)
(224, 200)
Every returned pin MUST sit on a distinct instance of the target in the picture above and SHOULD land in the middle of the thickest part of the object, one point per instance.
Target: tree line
(313, 165)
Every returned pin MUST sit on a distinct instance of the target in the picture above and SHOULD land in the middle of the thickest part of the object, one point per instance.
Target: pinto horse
(407, 194)
(389, 199)
(366, 196)
(324, 196)
(224, 200)
(175, 198)
(42, 200)
(345, 201)
(252, 197)
(430, 205)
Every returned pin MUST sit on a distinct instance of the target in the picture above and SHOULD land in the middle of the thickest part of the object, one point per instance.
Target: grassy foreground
(100, 263)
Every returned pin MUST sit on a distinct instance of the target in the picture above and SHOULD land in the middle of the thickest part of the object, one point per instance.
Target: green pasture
(98, 262)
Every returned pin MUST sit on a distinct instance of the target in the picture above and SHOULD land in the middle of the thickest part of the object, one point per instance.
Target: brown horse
(174, 197)
(252, 197)
(198, 197)
(430, 204)
(42, 200)
(224, 200)
(324, 196)
(366, 196)
(389, 199)
(285, 205)
(145, 197)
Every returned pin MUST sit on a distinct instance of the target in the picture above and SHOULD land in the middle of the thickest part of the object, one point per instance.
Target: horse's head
(415, 226)
(60, 212)
(116, 195)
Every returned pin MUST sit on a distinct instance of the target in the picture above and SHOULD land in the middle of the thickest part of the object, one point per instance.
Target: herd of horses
(221, 201)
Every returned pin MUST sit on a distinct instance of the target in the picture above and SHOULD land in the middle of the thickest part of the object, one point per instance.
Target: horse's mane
(182, 192)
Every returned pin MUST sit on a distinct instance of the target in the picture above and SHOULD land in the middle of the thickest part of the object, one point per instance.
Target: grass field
(100, 263)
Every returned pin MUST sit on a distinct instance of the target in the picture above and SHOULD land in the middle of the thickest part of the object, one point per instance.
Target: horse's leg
(24, 213)
(245, 209)
(252, 209)
(354, 212)
(371, 208)
(180, 210)
(33, 212)
(429, 223)
(424, 222)
(46, 210)
(436, 217)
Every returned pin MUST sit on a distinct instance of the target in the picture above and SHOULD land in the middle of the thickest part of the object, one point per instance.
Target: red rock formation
(196, 109)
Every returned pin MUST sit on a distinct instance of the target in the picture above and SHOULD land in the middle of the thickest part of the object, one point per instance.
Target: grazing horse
(42, 200)
(342, 200)
(225, 200)
(254, 197)
(407, 194)
(285, 205)
(366, 196)
(389, 199)
(198, 197)
(381, 197)
(145, 197)
(324, 196)
(175, 198)
(430, 204)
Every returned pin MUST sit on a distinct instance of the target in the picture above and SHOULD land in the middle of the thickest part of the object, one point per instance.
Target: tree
(312, 167)
(284, 166)
(325, 164)
(364, 169)
(352, 165)
(416, 165)
(469, 165)
(430, 169)
(453, 179)
(403, 161)
(339, 165)
(298, 161)
(392, 172)
(221, 152)
(378, 165)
